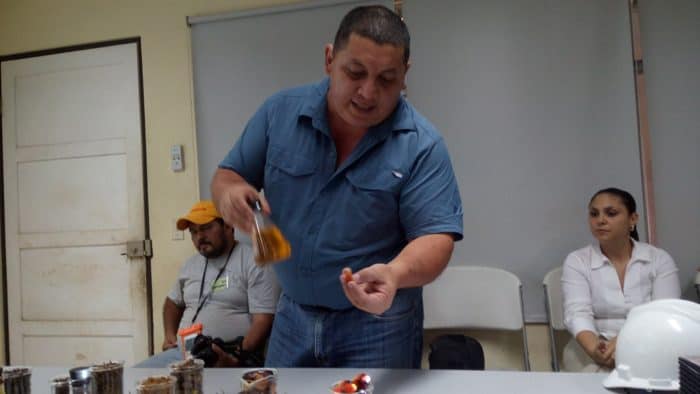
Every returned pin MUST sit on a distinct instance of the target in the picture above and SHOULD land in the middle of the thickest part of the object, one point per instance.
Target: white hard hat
(649, 344)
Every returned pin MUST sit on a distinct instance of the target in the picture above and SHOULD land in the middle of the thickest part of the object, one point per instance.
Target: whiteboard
(536, 101)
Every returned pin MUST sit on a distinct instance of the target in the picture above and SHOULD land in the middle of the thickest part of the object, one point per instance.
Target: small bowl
(333, 389)
(360, 384)
(157, 384)
(259, 380)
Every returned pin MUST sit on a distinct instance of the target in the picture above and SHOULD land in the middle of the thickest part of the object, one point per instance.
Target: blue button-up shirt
(395, 186)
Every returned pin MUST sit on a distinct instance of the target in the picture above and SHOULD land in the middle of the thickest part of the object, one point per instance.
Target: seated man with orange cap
(220, 287)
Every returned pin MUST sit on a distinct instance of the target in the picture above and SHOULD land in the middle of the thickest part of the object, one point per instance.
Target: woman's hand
(604, 352)
(609, 353)
(597, 348)
(597, 353)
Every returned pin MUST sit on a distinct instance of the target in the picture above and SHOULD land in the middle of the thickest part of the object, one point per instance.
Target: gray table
(318, 381)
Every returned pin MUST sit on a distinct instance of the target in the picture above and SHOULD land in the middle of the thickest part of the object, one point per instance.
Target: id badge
(186, 336)
(221, 283)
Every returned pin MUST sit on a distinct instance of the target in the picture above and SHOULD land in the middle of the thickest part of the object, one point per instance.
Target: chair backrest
(554, 299)
(473, 297)
(554, 306)
(469, 297)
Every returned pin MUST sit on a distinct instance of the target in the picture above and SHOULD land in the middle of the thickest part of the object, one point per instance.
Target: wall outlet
(176, 158)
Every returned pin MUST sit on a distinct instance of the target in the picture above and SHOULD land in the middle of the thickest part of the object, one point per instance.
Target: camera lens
(202, 350)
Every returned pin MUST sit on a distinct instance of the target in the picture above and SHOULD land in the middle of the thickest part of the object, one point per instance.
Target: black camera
(201, 349)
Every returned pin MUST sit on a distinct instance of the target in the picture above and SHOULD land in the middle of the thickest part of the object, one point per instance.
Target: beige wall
(30, 25)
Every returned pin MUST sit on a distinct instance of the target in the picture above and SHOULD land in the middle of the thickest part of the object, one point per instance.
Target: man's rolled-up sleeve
(430, 202)
(247, 157)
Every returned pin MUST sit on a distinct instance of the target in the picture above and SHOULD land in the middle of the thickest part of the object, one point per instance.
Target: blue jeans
(161, 360)
(308, 336)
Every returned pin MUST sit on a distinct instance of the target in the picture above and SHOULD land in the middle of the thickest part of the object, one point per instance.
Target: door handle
(141, 248)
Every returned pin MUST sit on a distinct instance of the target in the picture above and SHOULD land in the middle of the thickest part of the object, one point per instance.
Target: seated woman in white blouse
(602, 282)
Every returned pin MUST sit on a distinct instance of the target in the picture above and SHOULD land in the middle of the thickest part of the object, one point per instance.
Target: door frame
(3, 240)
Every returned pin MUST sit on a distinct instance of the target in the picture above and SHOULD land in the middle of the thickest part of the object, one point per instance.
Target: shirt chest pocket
(220, 284)
(226, 287)
(285, 168)
(376, 189)
(369, 206)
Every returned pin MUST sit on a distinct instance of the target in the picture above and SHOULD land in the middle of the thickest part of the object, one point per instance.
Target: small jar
(18, 380)
(60, 385)
(81, 380)
(108, 377)
(81, 386)
(156, 385)
(189, 376)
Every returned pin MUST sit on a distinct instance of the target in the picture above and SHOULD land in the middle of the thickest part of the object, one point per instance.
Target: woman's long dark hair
(627, 201)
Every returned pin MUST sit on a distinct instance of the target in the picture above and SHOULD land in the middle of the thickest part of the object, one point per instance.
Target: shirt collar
(315, 108)
(640, 252)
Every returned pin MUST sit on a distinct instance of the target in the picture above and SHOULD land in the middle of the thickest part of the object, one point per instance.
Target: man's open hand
(371, 289)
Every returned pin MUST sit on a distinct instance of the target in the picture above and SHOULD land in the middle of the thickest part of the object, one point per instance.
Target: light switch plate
(176, 158)
(178, 235)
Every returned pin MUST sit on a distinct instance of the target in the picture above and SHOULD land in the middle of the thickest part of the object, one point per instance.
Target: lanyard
(201, 287)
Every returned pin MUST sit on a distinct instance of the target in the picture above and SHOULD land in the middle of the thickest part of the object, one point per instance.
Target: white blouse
(593, 299)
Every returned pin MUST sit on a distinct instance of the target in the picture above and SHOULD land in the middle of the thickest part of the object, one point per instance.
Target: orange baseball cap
(201, 213)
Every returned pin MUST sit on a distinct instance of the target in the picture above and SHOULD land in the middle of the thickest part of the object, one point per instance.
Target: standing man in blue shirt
(355, 177)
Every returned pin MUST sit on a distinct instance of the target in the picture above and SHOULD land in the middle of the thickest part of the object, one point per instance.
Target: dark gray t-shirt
(242, 289)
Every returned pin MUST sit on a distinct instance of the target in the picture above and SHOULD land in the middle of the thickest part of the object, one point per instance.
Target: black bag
(456, 352)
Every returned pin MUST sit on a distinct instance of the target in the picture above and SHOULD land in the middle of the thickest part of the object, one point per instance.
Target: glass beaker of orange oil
(269, 244)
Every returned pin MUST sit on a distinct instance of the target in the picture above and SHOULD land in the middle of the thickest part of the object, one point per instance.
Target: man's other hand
(169, 343)
(371, 289)
(225, 360)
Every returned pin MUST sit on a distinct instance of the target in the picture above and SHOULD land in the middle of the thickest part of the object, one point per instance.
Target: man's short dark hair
(377, 23)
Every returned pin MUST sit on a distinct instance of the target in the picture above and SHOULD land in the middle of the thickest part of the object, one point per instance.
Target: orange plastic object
(187, 333)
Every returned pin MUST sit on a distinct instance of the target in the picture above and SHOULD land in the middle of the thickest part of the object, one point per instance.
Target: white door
(73, 185)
